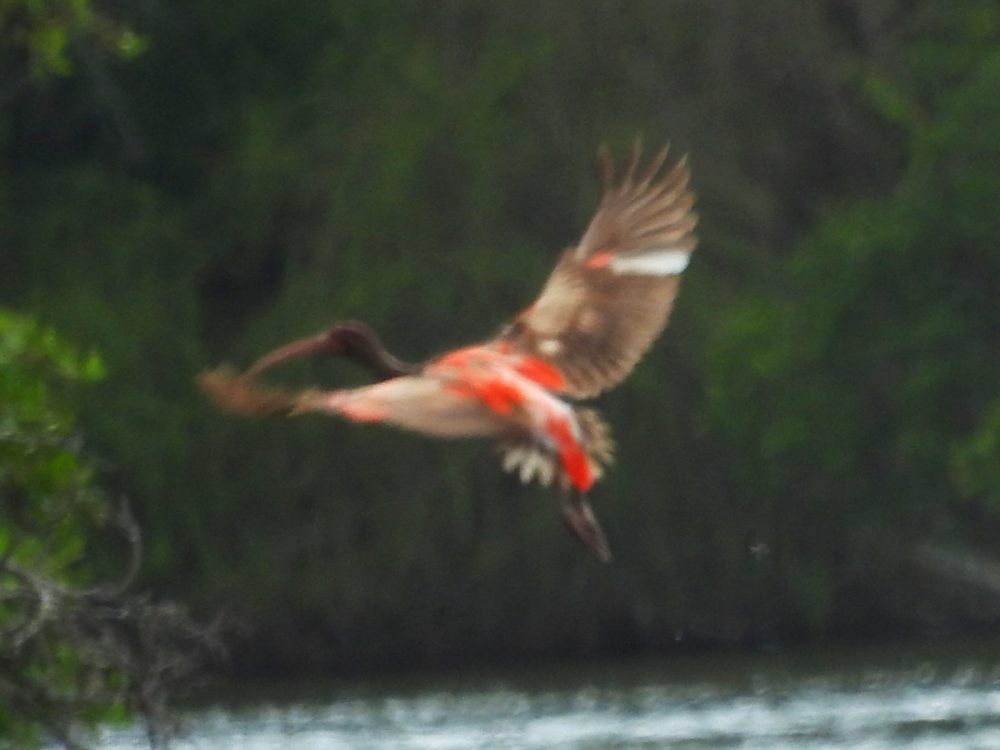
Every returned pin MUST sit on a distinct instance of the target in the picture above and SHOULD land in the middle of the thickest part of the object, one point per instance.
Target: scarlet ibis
(602, 306)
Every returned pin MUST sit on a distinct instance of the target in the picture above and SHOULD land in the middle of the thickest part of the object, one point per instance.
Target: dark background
(811, 450)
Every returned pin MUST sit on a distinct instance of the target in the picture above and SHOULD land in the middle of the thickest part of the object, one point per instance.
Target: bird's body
(478, 391)
(601, 308)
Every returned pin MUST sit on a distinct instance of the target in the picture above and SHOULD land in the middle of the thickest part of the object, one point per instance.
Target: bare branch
(126, 648)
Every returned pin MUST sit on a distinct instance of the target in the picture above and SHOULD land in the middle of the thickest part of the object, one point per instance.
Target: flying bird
(600, 310)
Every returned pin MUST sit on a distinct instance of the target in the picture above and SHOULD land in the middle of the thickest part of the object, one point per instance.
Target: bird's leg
(350, 339)
(581, 521)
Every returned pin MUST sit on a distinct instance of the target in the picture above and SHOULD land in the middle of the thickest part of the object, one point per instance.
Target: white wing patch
(663, 262)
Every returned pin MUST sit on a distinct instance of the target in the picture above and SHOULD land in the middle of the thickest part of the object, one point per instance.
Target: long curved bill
(319, 344)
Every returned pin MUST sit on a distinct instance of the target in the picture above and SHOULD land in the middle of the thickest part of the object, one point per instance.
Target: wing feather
(531, 461)
(609, 297)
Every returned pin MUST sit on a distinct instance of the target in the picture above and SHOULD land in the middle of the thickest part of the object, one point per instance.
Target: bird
(604, 303)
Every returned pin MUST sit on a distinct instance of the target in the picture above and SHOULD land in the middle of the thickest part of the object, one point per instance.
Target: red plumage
(603, 305)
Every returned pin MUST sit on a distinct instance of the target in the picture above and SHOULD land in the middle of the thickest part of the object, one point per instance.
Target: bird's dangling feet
(581, 521)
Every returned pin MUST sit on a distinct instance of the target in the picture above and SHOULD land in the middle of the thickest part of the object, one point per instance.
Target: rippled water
(849, 699)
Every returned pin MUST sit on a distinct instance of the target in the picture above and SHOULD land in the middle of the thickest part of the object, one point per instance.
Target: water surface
(858, 699)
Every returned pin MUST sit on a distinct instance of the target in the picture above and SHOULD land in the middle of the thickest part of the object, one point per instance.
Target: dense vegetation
(812, 448)
(75, 648)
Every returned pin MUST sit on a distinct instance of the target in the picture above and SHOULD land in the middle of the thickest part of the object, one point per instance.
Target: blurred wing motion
(598, 313)
(609, 297)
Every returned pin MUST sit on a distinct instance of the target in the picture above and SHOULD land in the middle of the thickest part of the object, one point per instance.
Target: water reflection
(857, 700)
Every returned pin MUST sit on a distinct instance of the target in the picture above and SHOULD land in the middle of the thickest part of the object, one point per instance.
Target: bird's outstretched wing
(610, 296)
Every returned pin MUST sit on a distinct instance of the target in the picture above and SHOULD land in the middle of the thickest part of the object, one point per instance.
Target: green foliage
(261, 171)
(974, 460)
(860, 386)
(47, 487)
(75, 650)
(45, 31)
(49, 505)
